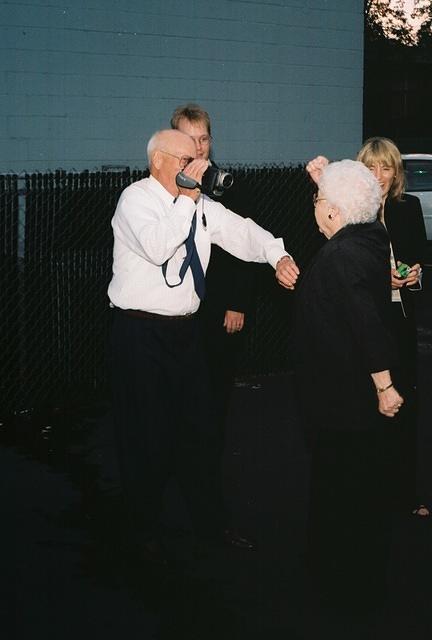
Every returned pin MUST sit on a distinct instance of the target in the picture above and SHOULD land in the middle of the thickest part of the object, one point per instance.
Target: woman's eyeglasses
(316, 199)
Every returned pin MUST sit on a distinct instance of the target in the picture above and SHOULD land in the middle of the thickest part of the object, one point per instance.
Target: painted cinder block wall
(84, 83)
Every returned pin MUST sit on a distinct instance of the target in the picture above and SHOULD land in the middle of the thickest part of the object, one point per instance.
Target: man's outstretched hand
(287, 272)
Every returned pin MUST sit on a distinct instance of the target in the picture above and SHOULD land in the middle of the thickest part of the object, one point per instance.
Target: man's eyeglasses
(183, 160)
(316, 199)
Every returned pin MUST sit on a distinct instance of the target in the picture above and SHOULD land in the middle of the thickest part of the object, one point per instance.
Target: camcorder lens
(227, 181)
(215, 181)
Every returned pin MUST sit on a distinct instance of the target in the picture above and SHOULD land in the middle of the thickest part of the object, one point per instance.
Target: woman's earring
(330, 216)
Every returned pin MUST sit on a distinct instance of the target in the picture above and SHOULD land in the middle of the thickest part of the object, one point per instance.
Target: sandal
(422, 511)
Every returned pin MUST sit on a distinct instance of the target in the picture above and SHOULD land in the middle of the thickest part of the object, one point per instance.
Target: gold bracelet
(381, 389)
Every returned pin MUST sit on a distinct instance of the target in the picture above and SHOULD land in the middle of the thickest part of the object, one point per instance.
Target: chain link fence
(56, 256)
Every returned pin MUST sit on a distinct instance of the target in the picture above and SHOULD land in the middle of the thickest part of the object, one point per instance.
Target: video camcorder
(213, 183)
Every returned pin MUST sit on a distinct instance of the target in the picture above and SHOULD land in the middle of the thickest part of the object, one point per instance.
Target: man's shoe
(223, 538)
(232, 538)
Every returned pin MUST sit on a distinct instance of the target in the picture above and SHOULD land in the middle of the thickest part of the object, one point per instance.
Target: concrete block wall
(84, 83)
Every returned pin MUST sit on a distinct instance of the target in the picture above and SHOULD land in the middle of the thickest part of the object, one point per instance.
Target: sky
(409, 6)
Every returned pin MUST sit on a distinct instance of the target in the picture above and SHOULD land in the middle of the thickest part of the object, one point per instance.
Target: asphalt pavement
(67, 573)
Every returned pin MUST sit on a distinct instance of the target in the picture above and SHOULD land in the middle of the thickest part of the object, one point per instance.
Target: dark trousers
(222, 351)
(163, 421)
(349, 518)
(405, 335)
(404, 377)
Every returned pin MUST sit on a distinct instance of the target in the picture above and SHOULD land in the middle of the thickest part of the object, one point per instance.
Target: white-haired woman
(402, 216)
(344, 361)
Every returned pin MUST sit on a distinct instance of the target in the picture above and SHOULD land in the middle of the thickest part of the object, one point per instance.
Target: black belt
(136, 313)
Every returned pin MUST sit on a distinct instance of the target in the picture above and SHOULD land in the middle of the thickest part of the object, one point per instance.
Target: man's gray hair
(153, 145)
(353, 189)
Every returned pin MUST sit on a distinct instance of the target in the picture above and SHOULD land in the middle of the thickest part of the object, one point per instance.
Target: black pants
(404, 377)
(349, 518)
(163, 421)
(222, 351)
(405, 335)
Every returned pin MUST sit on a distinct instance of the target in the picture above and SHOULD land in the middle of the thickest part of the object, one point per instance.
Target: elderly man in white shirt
(161, 397)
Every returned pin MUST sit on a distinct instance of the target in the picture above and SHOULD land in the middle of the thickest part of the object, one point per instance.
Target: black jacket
(342, 329)
(230, 282)
(405, 225)
(406, 228)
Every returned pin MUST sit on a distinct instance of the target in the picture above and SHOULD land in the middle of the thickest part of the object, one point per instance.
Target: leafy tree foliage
(388, 22)
(423, 11)
(397, 69)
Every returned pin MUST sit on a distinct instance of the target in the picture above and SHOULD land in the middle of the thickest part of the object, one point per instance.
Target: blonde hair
(384, 151)
(192, 112)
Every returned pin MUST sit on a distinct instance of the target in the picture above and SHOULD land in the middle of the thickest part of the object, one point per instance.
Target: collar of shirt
(165, 195)
(160, 190)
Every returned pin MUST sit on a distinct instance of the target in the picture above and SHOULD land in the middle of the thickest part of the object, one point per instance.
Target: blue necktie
(191, 260)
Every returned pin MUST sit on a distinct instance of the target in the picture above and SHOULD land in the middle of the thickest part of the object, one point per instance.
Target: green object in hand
(403, 270)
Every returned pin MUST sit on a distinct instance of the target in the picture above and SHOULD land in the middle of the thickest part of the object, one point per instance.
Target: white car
(418, 171)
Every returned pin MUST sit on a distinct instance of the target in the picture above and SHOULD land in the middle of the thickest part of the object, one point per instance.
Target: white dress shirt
(150, 228)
